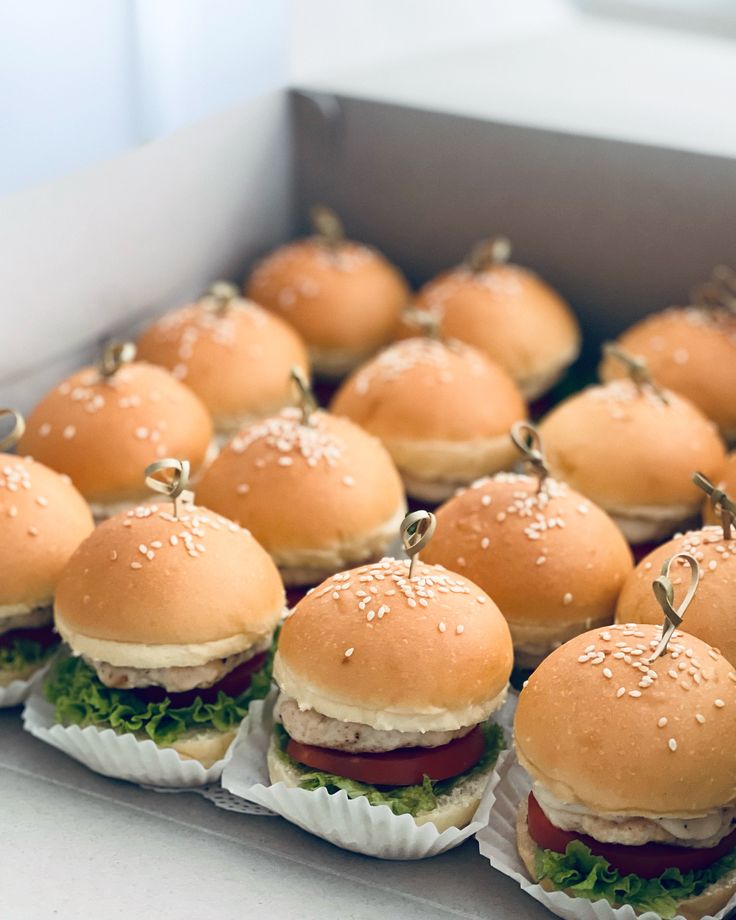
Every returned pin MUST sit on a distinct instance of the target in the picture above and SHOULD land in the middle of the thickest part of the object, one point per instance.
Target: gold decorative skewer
(637, 369)
(722, 504)
(172, 486)
(496, 250)
(114, 356)
(665, 594)
(718, 293)
(528, 442)
(426, 321)
(327, 226)
(417, 530)
(306, 399)
(16, 432)
(219, 296)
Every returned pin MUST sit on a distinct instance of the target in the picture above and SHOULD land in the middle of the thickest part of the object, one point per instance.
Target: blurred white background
(81, 80)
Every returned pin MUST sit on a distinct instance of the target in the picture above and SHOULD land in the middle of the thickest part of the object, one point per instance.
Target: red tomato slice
(403, 767)
(648, 860)
(44, 635)
(234, 683)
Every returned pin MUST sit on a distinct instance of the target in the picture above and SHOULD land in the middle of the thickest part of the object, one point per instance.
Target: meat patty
(310, 727)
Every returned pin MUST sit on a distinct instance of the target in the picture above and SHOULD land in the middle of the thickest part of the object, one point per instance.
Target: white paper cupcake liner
(120, 756)
(497, 840)
(19, 690)
(352, 824)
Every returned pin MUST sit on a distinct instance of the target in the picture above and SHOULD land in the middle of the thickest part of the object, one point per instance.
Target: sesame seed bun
(421, 662)
(714, 898)
(633, 455)
(147, 590)
(512, 316)
(104, 432)
(42, 521)
(693, 352)
(725, 481)
(712, 612)
(453, 809)
(443, 411)
(236, 361)
(597, 731)
(318, 497)
(552, 560)
(345, 302)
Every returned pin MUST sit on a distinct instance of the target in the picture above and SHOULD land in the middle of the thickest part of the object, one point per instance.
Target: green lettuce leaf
(584, 875)
(22, 653)
(402, 800)
(80, 698)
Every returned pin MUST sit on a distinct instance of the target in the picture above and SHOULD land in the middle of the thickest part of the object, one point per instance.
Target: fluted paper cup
(19, 690)
(509, 786)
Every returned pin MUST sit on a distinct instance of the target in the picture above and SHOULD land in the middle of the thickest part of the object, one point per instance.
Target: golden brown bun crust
(725, 481)
(301, 487)
(624, 448)
(103, 434)
(508, 313)
(237, 362)
(426, 390)
(588, 745)
(560, 574)
(40, 527)
(349, 300)
(113, 590)
(712, 612)
(692, 352)
(449, 652)
(707, 904)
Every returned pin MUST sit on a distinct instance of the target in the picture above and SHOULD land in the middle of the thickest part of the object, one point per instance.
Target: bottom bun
(205, 747)
(647, 523)
(714, 898)
(456, 809)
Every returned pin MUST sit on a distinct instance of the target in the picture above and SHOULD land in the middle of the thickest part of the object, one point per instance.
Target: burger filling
(163, 704)
(408, 771)
(27, 641)
(648, 862)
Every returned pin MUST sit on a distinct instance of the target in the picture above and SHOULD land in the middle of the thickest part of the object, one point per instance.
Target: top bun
(317, 496)
(624, 447)
(726, 481)
(103, 432)
(692, 351)
(599, 726)
(236, 360)
(510, 314)
(344, 300)
(712, 612)
(150, 590)
(372, 646)
(502, 529)
(42, 521)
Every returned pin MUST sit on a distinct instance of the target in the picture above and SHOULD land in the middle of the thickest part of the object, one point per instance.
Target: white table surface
(76, 845)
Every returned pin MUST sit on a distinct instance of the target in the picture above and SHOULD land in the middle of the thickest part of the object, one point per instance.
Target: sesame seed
(712, 565)
(714, 655)
(501, 517)
(33, 531)
(136, 565)
(349, 652)
(635, 693)
(620, 692)
(285, 461)
(442, 626)
(369, 616)
(44, 430)
(662, 722)
(567, 599)
(460, 629)
(485, 500)
(243, 488)
(69, 432)
(699, 717)
(12, 511)
(143, 549)
(607, 672)
(485, 543)
(719, 704)
(481, 599)
(348, 481)
(43, 502)
(541, 560)
(173, 539)
(141, 433)
(672, 744)
(113, 555)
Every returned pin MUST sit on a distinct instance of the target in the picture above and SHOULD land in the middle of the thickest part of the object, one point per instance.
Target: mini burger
(552, 560)
(103, 425)
(42, 520)
(233, 354)
(343, 298)
(631, 449)
(634, 779)
(315, 490)
(170, 619)
(508, 313)
(442, 410)
(692, 350)
(388, 683)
